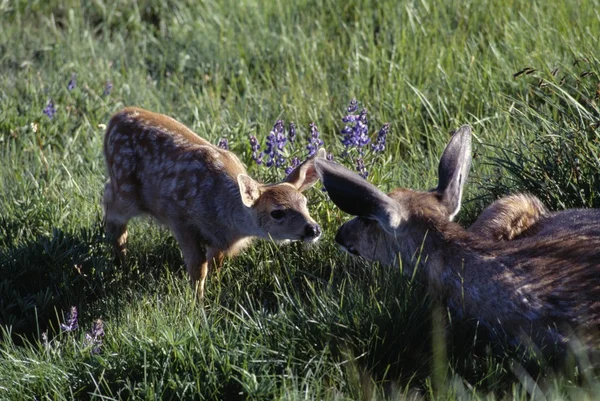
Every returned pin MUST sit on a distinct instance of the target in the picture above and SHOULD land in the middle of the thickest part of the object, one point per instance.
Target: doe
(540, 286)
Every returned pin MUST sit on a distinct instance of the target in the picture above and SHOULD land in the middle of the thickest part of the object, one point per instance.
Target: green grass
(278, 323)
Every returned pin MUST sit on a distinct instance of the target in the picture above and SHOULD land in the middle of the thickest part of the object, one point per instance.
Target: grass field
(278, 323)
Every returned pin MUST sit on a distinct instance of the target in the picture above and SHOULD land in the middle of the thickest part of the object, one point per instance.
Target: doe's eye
(277, 214)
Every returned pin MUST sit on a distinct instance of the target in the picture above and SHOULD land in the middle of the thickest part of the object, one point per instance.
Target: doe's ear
(454, 169)
(249, 189)
(356, 196)
(304, 176)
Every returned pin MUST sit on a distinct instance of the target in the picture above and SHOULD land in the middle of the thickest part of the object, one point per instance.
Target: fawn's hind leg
(118, 210)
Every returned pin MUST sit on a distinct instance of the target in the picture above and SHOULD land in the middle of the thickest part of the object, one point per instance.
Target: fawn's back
(158, 166)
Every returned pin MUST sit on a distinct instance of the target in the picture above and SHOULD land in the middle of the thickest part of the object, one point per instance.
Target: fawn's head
(391, 224)
(280, 209)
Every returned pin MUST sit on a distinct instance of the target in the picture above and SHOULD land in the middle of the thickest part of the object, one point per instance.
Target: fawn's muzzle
(312, 231)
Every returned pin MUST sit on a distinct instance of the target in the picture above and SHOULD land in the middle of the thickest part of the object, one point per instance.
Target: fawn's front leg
(194, 256)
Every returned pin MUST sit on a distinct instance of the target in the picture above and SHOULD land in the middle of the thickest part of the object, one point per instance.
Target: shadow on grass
(42, 278)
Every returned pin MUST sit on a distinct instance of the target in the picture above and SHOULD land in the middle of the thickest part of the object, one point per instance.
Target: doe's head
(280, 209)
(391, 224)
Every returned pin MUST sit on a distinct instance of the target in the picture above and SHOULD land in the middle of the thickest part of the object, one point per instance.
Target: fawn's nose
(312, 231)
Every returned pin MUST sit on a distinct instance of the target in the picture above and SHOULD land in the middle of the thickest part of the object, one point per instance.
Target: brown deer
(539, 287)
(202, 193)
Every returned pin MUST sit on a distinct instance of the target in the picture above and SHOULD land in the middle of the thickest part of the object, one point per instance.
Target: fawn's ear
(356, 196)
(454, 169)
(304, 176)
(249, 189)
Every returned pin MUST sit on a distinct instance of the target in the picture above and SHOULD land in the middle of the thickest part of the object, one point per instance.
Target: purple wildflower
(50, 110)
(223, 143)
(255, 146)
(94, 337)
(295, 163)
(70, 323)
(72, 82)
(314, 142)
(275, 143)
(381, 138)
(292, 132)
(330, 156)
(107, 88)
(361, 168)
(353, 106)
(356, 132)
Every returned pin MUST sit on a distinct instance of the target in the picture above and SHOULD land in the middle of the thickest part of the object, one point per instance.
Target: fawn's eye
(277, 214)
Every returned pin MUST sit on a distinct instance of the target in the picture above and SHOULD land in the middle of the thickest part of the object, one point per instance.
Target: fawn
(539, 287)
(202, 193)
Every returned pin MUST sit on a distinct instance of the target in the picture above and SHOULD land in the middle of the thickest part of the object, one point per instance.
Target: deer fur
(537, 288)
(509, 217)
(202, 193)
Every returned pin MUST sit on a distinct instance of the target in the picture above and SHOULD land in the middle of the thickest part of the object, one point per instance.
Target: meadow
(293, 322)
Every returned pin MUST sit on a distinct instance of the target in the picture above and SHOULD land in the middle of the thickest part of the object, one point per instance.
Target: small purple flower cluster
(315, 142)
(379, 146)
(355, 138)
(255, 146)
(355, 135)
(93, 338)
(72, 82)
(70, 323)
(292, 132)
(295, 163)
(356, 132)
(276, 141)
(361, 168)
(223, 143)
(50, 110)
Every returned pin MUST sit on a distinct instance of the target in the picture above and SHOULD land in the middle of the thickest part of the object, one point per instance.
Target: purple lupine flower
(381, 138)
(70, 323)
(361, 168)
(295, 163)
(72, 82)
(330, 156)
(292, 132)
(280, 137)
(223, 143)
(255, 146)
(107, 88)
(353, 106)
(50, 110)
(94, 337)
(314, 142)
(275, 143)
(356, 132)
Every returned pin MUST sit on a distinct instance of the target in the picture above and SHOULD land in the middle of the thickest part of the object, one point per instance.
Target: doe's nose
(312, 230)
